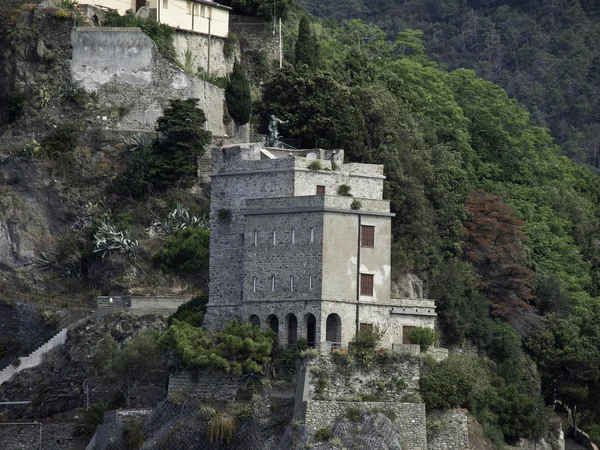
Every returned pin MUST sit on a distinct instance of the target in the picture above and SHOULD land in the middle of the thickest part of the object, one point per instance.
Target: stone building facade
(300, 243)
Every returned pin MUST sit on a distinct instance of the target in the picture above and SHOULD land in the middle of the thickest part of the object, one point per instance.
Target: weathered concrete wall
(24, 435)
(192, 53)
(206, 385)
(410, 418)
(124, 68)
(448, 430)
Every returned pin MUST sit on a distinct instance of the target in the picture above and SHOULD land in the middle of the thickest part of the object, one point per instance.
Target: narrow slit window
(312, 235)
(255, 237)
(291, 282)
(165, 4)
(321, 191)
(366, 284)
(273, 283)
(293, 236)
(254, 282)
(310, 282)
(274, 237)
(367, 236)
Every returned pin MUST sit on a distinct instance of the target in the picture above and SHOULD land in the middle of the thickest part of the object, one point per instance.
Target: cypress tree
(237, 96)
(182, 139)
(307, 47)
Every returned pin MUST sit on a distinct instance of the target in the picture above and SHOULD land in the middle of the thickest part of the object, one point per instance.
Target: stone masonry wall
(25, 435)
(410, 418)
(123, 66)
(448, 430)
(191, 50)
(390, 382)
(206, 385)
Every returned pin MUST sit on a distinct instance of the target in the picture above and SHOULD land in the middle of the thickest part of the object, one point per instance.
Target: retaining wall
(448, 430)
(134, 82)
(206, 385)
(410, 418)
(26, 434)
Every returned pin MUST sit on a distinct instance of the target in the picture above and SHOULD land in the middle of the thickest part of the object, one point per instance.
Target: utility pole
(280, 46)
(209, 40)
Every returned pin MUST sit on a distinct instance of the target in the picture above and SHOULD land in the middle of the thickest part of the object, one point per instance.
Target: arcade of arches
(292, 329)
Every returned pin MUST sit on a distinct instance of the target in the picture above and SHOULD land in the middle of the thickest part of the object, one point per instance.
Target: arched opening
(292, 327)
(273, 323)
(333, 333)
(254, 320)
(311, 330)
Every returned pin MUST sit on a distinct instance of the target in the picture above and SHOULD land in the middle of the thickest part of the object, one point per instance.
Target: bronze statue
(273, 133)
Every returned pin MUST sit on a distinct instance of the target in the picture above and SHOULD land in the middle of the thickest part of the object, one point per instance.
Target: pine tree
(307, 47)
(237, 95)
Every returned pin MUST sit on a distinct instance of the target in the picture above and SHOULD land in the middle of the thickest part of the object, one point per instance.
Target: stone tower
(300, 243)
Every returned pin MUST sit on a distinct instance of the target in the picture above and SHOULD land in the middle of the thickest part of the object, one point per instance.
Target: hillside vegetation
(544, 53)
(488, 212)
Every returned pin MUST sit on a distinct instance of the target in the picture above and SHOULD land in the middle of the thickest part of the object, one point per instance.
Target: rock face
(58, 387)
(407, 285)
(32, 212)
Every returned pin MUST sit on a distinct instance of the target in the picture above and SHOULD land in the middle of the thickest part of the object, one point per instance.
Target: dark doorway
(139, 4)
(333, 332)
(254, 320)
(273, 323)
(311, 330)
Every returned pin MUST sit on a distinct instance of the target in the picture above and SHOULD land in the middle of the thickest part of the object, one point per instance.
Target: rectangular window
(310, 283)
(273, 283)
(312, 235)
(366, 284)
(293, 236)
(321, 191)
(203, 10)
(165, 4)
(405, 333)
(254, 282)
(255, 237)
(367, 236)
(274, 237)
(190, 7)
(366, 327)
(195, 9)
(291, 282)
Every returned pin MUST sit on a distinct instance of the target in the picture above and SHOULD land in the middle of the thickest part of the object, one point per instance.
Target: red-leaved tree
(494, 245)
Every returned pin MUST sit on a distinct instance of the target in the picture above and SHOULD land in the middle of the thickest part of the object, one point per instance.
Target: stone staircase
(35, 358)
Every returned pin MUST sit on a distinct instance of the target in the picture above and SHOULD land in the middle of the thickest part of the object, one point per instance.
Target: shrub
(32, 148)
(315, 165)
(90, 419)
(222, 428)
(185, 252)
(230, 45)
(424, 337)
(60, 144)
(309, 353)
(286, 358)
(17, 101)
(239, 348)
(353, 415)
(191, 311)
(363, 347)
(324, 434)
(344, 189)
(356, 204)
(134, 182)
(62, 14)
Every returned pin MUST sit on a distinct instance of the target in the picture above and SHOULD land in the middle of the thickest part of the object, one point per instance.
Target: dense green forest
(502, 226)
(544, 53)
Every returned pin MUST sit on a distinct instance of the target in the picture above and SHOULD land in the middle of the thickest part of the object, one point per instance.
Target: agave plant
(139, 141)
(177, 220)
(68, 268)
(107, 239)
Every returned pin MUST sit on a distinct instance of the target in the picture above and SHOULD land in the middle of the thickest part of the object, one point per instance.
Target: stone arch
(254, 320)
(311, 330)
(333, 330)
(273, 323)
(292, 329)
